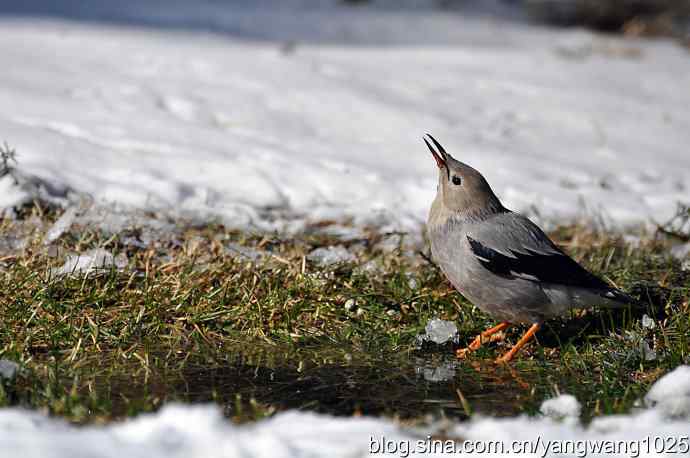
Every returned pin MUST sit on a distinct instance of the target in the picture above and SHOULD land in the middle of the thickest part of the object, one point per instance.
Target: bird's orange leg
(480, 339)
(521, 343)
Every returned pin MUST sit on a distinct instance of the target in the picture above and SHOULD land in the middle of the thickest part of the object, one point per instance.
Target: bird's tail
(617, 298)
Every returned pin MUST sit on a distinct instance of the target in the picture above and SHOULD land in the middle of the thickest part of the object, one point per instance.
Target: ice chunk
(440, 332)
(332, 255)
(91, 261)
(671, 393)
(411, 280)
(61, 226)
(350, 305)
(681, 252)
(646, 351)
(8, 369)
(561, 407)
(648, 322)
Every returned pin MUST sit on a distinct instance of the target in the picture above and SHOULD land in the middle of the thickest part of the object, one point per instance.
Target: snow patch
(8, 369)
(681, 251)
(671, 393)
(561, 407)
(330, 256)
(648, 322)
(11, 194)
(90, 261)
(61, 226)
(334, 131)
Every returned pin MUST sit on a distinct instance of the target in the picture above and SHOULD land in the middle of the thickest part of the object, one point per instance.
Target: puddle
(327, 380)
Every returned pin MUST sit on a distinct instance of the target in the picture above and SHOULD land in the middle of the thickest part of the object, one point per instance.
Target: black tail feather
(619, 296)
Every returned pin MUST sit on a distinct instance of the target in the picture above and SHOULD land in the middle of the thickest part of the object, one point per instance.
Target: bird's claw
(476, 343)
(463, 353)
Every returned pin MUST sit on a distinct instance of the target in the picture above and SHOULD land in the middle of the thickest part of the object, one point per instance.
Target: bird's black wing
(553, 267)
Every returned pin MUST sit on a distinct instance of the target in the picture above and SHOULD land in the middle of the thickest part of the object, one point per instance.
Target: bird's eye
(456, 180)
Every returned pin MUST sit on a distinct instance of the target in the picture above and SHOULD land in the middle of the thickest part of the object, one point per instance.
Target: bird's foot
(505, 359)
(490, 335)
(476, 343)
(463, 353)
(485, 337)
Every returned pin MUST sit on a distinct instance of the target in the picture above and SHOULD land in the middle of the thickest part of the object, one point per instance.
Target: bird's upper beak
(440, 156)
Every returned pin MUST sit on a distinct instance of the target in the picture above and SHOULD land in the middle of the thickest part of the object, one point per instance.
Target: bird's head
(461, 189)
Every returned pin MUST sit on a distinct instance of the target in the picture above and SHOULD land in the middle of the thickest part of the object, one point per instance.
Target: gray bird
(501, 261)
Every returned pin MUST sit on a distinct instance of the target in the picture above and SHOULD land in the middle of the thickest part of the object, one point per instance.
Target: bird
(500, 260)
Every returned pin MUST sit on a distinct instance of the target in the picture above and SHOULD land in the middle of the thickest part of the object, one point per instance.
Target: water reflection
(324, 379)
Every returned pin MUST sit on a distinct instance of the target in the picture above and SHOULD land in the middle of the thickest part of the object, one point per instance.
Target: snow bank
(201, 431)
(562, 123)
(189, 432)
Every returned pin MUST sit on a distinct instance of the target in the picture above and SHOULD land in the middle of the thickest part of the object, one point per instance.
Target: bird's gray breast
(509, 299)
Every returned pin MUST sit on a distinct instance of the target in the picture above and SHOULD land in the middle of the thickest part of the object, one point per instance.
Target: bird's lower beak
(440, 155)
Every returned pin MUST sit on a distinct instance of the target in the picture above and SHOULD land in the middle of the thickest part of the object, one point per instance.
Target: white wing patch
(524, 276)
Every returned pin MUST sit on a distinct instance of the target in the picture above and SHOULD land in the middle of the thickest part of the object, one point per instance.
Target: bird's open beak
(440, 155)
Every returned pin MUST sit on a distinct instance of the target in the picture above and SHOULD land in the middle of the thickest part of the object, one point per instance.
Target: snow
(547, 436)
(90, 261)
(563, 406)
(316, 111)
(8, 369)
(331, 255)
(671, 393)
(11, 194)
(648, 322)
(62, 225)
(350, 305)
(190, 432)
(647, 352)
(201, 431)
(681, 251)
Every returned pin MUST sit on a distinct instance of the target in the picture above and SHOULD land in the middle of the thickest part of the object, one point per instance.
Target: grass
(187, 319)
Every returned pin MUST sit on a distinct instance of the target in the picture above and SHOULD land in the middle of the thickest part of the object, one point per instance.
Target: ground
(248, 320)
